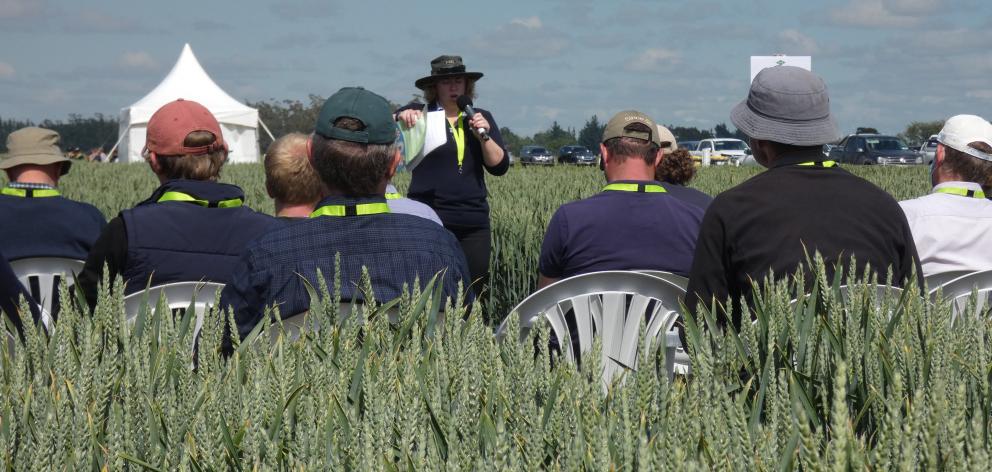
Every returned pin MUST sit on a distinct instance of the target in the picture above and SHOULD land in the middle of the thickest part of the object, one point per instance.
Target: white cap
(961, 130)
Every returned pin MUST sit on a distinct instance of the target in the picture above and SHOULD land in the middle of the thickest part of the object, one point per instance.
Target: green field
(825, 384)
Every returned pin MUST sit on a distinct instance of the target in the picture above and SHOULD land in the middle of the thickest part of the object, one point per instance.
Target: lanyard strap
(458, 132)
(640, 188)
(964, 192)
(30, 192)
(818, 164)
(361, 209)
(393, 196)
(174, 196)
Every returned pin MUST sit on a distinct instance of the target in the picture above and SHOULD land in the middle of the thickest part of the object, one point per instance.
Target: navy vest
(184, 241)
(47, 227)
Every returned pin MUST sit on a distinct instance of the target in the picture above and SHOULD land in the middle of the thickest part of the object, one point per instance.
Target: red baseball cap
(169, 126)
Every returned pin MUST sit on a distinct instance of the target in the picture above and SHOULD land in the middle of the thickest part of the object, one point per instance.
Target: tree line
(286, 116)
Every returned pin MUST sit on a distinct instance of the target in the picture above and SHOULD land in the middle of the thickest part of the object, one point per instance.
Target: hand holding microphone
(477, 121)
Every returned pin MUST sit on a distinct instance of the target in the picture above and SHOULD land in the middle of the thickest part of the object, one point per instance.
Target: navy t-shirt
(617, 230)
(48, 227)
(688, 195)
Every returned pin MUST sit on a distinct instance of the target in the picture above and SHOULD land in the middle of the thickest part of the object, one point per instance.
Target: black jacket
(773, 220)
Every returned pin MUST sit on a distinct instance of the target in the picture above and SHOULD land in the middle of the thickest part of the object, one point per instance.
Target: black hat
(446, 66)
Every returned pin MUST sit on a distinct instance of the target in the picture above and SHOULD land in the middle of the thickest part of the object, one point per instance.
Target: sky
(886, 62)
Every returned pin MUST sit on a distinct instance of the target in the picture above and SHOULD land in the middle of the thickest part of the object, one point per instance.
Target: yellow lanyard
(174, 196)
(964, 192)
(640, 188)
(29, 192)
(818, 164)
(458, 132)
(361, 209)
(393, 196)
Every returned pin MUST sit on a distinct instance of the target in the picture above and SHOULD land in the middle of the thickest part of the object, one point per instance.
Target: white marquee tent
(188, 80)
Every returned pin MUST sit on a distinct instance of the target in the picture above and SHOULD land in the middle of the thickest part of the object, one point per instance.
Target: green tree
(683, 133)
(592, 134)
(919, 131)
(555, 137)
(287, 116)
(513, 141)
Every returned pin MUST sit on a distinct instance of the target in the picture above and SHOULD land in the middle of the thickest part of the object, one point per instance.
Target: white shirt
(952, 232)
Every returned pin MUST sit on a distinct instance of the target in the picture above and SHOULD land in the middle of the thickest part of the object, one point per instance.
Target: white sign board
(764, 62)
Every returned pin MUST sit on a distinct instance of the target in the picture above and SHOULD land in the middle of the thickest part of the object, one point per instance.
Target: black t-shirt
(773, 220)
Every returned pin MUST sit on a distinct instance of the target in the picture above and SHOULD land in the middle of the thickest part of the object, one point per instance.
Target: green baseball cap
(356, 102)
(618, 126)
(34, 145)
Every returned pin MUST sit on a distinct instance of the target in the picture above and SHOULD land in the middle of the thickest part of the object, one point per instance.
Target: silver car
(928, 149)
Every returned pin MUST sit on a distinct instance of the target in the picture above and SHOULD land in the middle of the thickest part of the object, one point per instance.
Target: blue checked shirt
(396, 248)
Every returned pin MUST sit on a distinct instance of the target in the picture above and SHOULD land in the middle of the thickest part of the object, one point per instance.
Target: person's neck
(284, 210)
(945, 177)
(630, 172)
(34, 176)
(450, 109)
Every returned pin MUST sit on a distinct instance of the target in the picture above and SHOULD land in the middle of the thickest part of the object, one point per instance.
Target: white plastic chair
(613, 305)
(958, 292)
(46, 271)
(935, 281)
(676, 279)
(178, 295)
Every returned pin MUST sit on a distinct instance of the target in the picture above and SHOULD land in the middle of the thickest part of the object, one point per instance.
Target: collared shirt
(395, 248)
(774, 221)
(410, 207)
(952, 232)
(617, 230)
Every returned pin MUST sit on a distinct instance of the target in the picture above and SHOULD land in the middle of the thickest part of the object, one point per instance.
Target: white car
(736, 152)
(928, 149)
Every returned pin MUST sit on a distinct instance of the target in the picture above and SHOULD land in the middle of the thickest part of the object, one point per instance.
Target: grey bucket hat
(34, 145)
(788, 105)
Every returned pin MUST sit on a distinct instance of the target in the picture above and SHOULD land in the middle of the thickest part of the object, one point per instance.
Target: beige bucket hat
(33, 145)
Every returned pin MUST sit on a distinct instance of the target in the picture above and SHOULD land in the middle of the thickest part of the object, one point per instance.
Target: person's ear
(310, 150)
(397, 158)
(153, 162)
(938, 156)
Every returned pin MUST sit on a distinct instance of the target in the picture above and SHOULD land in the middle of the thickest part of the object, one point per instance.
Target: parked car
(869, 149)
(928, 149)
(576, 154)
(535, 155)
(723, 151)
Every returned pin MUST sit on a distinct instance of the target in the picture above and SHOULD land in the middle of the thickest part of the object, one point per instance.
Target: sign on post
(762, 62)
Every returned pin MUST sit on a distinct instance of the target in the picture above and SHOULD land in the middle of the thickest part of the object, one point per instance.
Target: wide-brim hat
(34, 145)
(446, 66)
(787, 105)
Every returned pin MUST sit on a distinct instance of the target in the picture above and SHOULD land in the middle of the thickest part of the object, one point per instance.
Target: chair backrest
(41, 276)
(935, 281)
(959, 290)
(178, 295)
(613, 305)
(676, 279)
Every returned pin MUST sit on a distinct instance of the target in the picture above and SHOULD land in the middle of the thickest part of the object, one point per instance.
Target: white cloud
(6, 70)
(522, 38)
(882, 13)
(532, 22)
(139, 60)
(19, 8)
(793, 42)
(653, 59)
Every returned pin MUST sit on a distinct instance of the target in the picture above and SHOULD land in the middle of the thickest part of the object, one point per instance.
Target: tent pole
(119, 138)
(266, 128)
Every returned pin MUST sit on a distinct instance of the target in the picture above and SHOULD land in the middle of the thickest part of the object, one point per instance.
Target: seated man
(802, 204)
(355, 152)
(633, 224)
(290, 179)
(192, 227)
(37, 220)
(952, 226)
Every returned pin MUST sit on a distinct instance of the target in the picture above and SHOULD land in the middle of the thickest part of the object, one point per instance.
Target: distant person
(634, 223)
(37, 220)
(400, 204)
(290, 179)
(451, 177)
(676, 168)
(355, 152)
(96, 155)
(802, 204)
(11, 294)
(192, 228)
(952, 226)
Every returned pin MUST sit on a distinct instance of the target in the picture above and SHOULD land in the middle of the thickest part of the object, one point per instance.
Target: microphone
(465, 105)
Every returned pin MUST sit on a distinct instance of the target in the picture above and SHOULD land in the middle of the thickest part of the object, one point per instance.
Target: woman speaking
(457, 149)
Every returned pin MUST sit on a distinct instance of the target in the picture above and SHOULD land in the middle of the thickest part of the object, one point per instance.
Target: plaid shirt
(396, 248)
